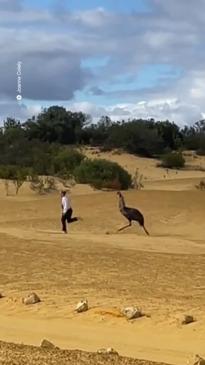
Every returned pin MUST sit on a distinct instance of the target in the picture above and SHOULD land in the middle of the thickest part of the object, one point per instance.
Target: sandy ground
(23, 354)
(162, 274)
(194, 170)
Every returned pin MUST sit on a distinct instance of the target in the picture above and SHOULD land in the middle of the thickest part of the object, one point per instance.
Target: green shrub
(7, 172)
(66, 161)
(173, 160)
(101, 174)
(14, 173)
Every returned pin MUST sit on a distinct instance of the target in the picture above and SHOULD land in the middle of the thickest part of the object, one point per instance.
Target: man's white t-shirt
(65, 204)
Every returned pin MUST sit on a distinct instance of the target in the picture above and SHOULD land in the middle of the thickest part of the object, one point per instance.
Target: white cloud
(159, 109)
(20, 111)
(52, 44)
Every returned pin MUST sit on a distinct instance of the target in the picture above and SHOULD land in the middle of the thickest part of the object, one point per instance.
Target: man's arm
(62, 205)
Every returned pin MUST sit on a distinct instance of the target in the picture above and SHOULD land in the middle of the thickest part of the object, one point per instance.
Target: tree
(56, 124)
(15, 174)
(11, 123)
(170, 134)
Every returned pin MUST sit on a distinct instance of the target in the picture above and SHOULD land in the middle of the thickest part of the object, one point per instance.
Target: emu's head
(121, 200)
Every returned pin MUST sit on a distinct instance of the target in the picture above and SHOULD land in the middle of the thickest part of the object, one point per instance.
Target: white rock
(131, 312)
(82, 306)
(32, 298)
(109, 351)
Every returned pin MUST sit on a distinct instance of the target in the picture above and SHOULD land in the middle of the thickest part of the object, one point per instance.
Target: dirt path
(162, 274)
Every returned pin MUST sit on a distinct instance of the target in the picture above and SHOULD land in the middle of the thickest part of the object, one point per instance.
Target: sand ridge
(23, 354)
(163, 274)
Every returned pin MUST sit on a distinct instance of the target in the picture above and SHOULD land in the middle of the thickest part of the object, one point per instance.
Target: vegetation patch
(201, 185)
(173, 160)
(101, 174)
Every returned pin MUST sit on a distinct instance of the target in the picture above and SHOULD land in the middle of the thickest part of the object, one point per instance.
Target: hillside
(156, 177)
(38, 356)
(163, 274)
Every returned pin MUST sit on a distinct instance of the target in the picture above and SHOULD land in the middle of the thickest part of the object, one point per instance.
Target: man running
(66, 211)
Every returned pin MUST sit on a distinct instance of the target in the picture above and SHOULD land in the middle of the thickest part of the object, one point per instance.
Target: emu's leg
(146, 231)
(128, 225)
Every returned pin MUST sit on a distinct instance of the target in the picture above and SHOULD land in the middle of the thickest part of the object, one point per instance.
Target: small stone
(82, 306)
(32, 298)
(48, 345)
(132, 312)
(109, 351)
(188, 319)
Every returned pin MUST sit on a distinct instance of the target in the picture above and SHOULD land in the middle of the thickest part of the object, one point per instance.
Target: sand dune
(194, 171)
(163, 274)
(38, 356)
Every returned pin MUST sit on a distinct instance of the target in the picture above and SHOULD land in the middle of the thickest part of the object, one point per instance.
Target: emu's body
(131, 214)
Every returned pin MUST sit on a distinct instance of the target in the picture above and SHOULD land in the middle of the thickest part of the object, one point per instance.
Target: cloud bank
(94, 59)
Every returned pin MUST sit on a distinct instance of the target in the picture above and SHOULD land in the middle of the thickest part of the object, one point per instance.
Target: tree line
(40, 144)
(56, 125)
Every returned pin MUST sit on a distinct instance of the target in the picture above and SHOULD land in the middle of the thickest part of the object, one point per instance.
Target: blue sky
(104, 56)
(112, 5)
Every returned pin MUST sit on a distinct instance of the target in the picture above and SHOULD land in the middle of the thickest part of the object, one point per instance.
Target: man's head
(63, 193)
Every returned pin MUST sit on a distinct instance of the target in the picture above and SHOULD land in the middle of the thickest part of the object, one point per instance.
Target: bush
(6, 185)
(137, 181)
(19, 178)
(173, 160)
(201, 185)
(66, 161)
(101, 174)
(14, 173)
(42, 185)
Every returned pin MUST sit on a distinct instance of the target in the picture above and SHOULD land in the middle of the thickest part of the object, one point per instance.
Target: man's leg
(69, 215)
(63, 221)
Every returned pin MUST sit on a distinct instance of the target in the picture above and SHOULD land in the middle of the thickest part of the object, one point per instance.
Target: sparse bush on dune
(137, 181)
(19, 178)
(42, 185)
(173, 160)
(201, 185)
(50, 183)
(6, 185)
(15, 174)
(37, 185)
(102, 174)
(201, 150)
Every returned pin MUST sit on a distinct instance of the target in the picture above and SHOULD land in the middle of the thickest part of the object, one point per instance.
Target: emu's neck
(121, 203)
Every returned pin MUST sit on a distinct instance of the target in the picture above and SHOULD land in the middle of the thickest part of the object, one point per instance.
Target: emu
(131, 214)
